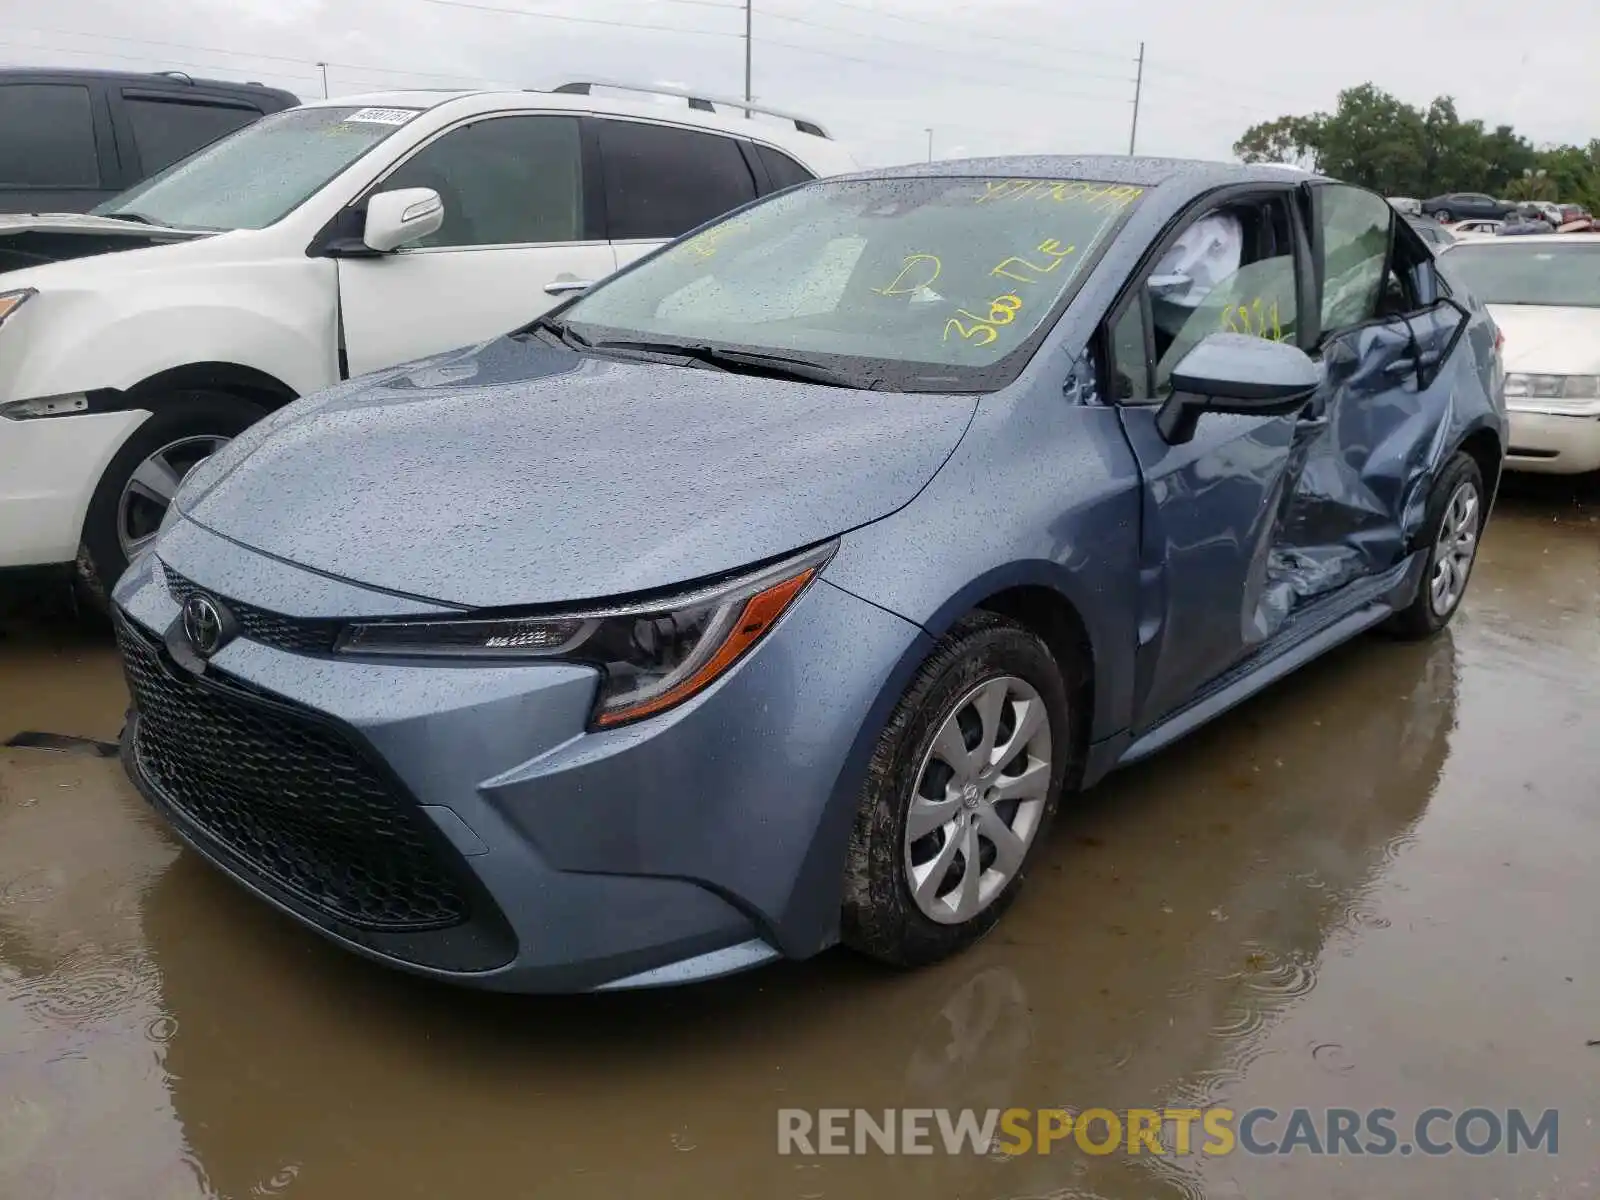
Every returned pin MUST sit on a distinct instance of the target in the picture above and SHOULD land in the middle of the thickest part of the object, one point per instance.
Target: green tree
(1291, 140)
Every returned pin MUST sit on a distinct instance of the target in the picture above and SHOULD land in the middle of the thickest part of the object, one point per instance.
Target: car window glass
(662, 182)
(1130, 364)
(165, 131)
(782, 170)
(47, 136)
(504, 181)
(1355, 253)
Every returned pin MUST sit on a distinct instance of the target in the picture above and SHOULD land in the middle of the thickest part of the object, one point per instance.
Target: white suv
(319, 243)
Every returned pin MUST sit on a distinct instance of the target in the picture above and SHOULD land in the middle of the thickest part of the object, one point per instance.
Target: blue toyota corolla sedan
(775, 592)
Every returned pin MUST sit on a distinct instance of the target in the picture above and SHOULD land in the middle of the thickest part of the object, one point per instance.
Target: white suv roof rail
(702, 101)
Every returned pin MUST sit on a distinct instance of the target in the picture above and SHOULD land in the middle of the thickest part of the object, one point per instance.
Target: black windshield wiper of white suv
(747, 362)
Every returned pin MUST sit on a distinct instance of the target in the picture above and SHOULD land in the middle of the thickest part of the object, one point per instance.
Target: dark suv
(70, 139)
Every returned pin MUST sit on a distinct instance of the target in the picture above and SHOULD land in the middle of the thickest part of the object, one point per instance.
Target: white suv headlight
(11, 301)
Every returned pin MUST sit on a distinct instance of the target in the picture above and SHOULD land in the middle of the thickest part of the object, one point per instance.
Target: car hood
(1543, 340)
(30, 240)
(515, 473)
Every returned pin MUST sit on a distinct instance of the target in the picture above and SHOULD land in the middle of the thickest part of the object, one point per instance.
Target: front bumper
(49, 469)
(693, 844)
(1553, 444)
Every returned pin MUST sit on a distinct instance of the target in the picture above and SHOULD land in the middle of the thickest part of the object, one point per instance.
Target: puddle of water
(1372, 887)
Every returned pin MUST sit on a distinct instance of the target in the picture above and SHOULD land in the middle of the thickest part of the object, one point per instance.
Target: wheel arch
(231, 379)
(1484, 447)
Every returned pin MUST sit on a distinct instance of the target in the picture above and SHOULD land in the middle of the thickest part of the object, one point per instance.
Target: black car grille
(294, 634)
(289, 796)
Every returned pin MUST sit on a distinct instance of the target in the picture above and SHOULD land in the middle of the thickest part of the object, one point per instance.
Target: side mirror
(1235, 373)
(404, 215)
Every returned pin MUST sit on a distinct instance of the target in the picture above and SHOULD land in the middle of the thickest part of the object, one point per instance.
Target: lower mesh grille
(289, 796)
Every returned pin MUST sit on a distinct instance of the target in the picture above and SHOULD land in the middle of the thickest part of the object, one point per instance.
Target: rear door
(519, 224)
(57, 153)
(157, 127)
(663, 180)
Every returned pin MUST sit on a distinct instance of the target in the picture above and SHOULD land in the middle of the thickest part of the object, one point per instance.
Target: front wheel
(961, 787)
(1442, 216)
(137, 488)
(1454, 525)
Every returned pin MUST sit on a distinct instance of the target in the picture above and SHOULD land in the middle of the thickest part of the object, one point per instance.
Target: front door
(514, 232)
(1213, 507)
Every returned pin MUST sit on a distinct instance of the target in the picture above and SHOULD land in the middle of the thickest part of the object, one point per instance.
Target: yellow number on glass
(969, 333)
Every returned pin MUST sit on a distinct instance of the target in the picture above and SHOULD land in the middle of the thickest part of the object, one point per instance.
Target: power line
(544, 16)
(945, 71)
(145, 58)
(310, 62)
(971, 34)
(878, 37)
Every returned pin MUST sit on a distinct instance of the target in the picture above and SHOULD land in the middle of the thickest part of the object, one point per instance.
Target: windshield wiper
(748, 362)
(560, 331)
(137, 218)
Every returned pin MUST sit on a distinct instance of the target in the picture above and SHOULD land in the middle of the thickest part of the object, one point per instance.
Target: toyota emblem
(203, 625)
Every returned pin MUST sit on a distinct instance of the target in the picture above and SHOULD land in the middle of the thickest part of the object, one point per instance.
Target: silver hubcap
(979, 797)
(149, 493)
(1455, 549)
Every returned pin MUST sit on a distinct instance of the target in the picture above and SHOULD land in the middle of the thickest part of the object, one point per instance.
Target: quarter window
(662, 181)
(1355, 254)
(782, 170)
(166, 130)
(47, 136)
(504, 181)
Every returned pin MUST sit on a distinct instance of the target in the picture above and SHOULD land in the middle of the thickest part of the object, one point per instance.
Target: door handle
(562, 286)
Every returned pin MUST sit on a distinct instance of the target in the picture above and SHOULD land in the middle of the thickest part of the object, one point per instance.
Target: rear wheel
(962, 786)
(1442, 216)
(1454, 525)
(136, 490)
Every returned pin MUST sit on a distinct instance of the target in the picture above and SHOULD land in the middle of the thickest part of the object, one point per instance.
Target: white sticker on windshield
(383, 116)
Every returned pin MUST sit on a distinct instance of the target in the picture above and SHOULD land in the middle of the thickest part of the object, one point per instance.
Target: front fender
(70, 338)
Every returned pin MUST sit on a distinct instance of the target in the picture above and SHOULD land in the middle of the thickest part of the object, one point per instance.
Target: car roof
(168, 78)
(1544, 239)
(814, 150)
(1103, 168)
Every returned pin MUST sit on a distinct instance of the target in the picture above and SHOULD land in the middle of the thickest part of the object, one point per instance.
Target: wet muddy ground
(1373, 887)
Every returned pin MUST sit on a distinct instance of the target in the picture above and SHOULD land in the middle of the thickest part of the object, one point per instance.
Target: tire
(1442, 216)
(184, 428)
(985, 656)
(1445, 525)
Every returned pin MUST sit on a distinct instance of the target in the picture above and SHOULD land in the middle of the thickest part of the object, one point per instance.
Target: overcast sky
(993, 77)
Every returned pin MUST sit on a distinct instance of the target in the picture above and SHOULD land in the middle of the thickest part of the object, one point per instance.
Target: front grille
(289, 796)
(298, 635)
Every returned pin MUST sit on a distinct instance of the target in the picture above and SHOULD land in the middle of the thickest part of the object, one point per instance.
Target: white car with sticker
(322, 242)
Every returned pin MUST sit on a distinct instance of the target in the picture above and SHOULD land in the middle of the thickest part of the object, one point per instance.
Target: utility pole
(1138, 87)
(930, 145)
(748, 4)
(324, 68)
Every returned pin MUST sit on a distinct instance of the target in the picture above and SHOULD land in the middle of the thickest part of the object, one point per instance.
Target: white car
(1477, 227)
(319, 243)
(1544, 294)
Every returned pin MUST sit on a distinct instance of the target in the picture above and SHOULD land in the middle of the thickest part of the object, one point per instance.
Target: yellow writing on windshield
(1002, 311)
(1028, 272)
(1106, 196)
(707, 244)
(917, 271)
(981, 330)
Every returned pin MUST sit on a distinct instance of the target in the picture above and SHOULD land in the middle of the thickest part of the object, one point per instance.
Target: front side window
(1534, 273)
(918, 284)
(1355, 228)
(1231, 271)
(165, 130)
(662, 181)
(261, 173)
(47, 136)
(504, 181)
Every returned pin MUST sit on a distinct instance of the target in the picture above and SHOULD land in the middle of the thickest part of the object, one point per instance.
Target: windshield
(261, 173)
(1566, 276)
(923, 284)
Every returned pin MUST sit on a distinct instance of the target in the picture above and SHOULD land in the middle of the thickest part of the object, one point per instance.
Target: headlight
(652, 655)
(1578, 394)
(11, 301)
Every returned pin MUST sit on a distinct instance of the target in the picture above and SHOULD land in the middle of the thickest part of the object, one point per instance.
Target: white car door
(513, 234)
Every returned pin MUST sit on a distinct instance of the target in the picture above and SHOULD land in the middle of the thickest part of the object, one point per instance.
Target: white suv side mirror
(401, 216)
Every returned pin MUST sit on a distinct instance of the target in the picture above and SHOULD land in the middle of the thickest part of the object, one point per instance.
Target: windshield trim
(930, 378)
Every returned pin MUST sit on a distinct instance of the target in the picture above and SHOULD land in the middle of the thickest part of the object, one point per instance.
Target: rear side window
(166, 130)
(781, 169)
(662, 182)
(47, 136)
